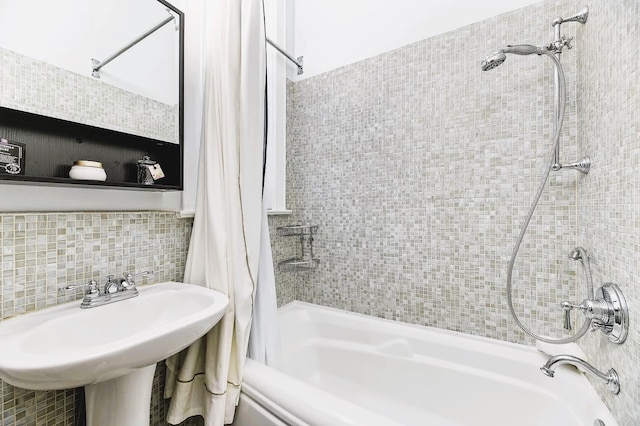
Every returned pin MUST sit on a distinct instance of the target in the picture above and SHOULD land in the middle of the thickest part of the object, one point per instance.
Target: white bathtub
(341, 368)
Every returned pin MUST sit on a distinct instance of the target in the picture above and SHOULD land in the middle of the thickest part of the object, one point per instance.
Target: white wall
(333, 33)
(69, 33)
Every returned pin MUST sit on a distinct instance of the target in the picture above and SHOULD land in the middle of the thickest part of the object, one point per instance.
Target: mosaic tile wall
(34, 86)
(419, 169)
(288, 283)
(609, 198)
(43, 251)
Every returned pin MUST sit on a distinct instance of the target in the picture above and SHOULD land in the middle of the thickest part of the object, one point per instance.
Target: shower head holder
(581, 17)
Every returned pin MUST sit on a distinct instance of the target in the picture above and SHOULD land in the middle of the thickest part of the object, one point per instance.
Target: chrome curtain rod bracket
(97, 65)
(297, 61)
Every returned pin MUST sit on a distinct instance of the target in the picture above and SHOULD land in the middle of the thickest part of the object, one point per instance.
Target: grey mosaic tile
(31, 85)
(609, 198)
(419, 170)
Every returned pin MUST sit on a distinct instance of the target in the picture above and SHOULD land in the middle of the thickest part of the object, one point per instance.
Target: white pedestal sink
(111, 349)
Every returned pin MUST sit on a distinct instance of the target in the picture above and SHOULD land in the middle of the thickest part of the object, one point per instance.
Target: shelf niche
(52, 145)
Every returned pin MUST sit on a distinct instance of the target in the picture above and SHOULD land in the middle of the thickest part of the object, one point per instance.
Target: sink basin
(64, 346)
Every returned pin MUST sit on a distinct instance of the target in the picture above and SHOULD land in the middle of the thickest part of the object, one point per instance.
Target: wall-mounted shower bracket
(608, 312)
(583, 166)
(580, 17)
(561, 41)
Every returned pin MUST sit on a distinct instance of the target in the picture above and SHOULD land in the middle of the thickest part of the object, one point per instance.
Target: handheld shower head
(523, 49)
(497, 58)
(576, 254)
(493, 60)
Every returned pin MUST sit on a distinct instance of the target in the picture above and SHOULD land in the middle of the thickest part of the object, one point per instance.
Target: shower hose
(534, 204)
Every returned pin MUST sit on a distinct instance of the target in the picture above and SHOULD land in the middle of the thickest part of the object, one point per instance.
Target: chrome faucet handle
(566, 41)
(596, 309)
(137, 274)
(567, 307)
(130, 277)
(91, 286)
(128, 283)
(128, 280)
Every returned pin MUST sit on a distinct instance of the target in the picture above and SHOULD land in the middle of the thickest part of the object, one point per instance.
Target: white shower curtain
(225, 245)
(264, 341)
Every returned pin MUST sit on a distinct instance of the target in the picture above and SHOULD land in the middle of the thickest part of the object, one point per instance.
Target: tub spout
(610, 377)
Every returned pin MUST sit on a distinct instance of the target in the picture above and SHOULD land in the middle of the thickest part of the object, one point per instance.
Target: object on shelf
(148, 171)
(11, 157)
(87, 170)
(54, 144)
(306, 259)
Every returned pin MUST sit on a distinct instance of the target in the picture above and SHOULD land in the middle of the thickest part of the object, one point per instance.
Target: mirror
(46, 52)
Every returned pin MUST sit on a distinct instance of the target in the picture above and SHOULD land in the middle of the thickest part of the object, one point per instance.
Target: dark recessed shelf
(44, 181)
(52, 145)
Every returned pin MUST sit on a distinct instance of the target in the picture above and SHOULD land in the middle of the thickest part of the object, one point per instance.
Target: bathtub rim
(486, 344)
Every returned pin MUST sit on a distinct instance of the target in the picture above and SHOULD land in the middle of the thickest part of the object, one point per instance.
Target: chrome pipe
(297, 62)
(561, 41)
(97, 65)
(556, 98)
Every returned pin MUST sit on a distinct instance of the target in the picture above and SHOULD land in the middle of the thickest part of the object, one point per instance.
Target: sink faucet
(611, 377)
(113, 290)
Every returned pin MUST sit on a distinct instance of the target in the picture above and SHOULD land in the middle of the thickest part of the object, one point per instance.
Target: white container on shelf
(87, 170)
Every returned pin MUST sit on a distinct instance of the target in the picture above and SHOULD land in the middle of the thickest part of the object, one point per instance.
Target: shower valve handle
(567, 307)
(585, 307)
(598, 310)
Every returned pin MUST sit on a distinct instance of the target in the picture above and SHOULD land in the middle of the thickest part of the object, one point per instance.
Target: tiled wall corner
(290, 285)
(44, 251)
(609, 197)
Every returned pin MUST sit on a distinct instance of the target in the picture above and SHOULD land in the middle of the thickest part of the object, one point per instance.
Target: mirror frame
(180, 79)
(102, 137)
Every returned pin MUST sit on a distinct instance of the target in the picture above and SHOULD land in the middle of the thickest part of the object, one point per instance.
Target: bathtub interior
(404, 372)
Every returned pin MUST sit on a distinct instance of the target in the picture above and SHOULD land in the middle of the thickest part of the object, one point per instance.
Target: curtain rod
(297, 61)
(99, 64)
